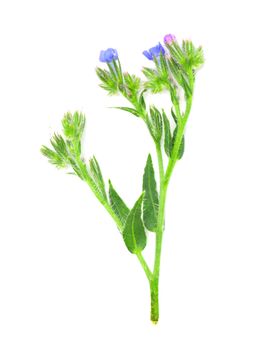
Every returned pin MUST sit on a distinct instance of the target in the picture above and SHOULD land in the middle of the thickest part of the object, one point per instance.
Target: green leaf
(97, 177)
(150, 202)
(142, 102)
(186, 87)
(134, 234)
(168, 141)
(174, 116)
(117, 204)
(181, 149)
(128, 109)
(155, 124)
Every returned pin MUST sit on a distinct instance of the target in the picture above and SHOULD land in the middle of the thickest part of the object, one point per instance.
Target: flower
(169, 39)
(154, 52)
(108, 55)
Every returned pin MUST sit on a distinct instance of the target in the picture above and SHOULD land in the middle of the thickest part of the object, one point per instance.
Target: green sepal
(116, 72)
(108, 82)
(163, 66)
(118, 206)
(73, 128)
(177, 53)
(73, 125)
(149, 73)
(155, 82)
(150, 201)
(59, 156)
(134, 234)
(113, 71)
(194, 57)
(68, 148)
(186, 57)
(132, 83)
(53, 157)
(175, 70)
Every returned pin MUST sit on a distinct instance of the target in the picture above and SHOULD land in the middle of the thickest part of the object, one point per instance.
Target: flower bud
(169, 39)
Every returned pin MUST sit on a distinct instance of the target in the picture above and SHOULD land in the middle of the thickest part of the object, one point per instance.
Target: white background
(66, 279)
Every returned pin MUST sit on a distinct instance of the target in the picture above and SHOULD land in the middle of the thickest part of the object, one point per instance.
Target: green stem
(144, 266)
(160, 163)
(154, 284)
(164, 182)
(153, 277)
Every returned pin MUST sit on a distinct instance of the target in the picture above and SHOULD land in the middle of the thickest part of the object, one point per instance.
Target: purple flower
(169, 39)
(154, 52)
(108, 55)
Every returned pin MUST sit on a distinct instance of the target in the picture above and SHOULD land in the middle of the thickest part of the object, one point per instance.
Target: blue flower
(108, 55)
(154, 52)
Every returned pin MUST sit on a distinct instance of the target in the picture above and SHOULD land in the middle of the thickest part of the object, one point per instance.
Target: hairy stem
(164, 182)
(144, 266)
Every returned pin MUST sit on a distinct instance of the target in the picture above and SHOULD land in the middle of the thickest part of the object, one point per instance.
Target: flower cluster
(110, 54)
(175, 66)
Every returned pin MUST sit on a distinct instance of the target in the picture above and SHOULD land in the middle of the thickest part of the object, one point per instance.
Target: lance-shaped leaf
(168, 140)
(150, 202)
(141, 100)
(117, 204)
(174, 116)
(97, 177)
(128, 109)
(134, 234)
(181, 149)
(155, 124)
